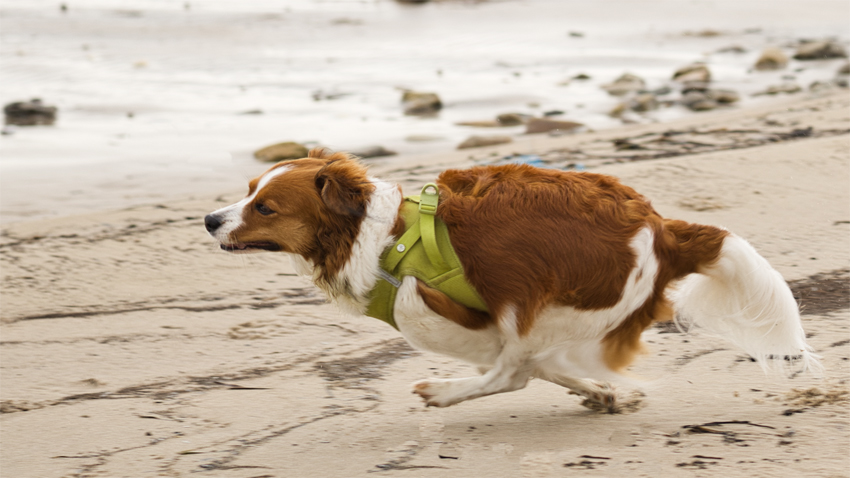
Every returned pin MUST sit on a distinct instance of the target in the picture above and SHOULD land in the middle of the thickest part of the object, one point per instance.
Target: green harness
(424, 251)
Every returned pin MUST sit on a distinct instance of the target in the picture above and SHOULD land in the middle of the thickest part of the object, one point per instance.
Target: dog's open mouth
(250, 246)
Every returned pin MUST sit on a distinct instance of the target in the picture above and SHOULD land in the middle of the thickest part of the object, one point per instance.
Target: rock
(818, 86)
(423, 138)
(644, 102)
(689, 86)
(777, 89)
(625, 84)
(707, 33)
(771, 59)
(480, 124)
(619, 110)
(845, 69)
(708, 100)
(372, 152)
(545, 125)
(479, 141)
(418, 103)
(281, 152)
(321, 95)
(581, 77)
(640, 103)
(505, 119)
(698, 101)
(732, 49)
(695, 72)
(30, 113)
(512, 119)
(724, 97)
(820, 50)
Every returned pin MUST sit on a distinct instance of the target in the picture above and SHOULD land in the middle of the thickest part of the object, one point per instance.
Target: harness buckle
(428, 199)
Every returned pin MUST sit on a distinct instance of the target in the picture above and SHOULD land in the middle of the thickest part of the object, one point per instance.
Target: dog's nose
(211, 222)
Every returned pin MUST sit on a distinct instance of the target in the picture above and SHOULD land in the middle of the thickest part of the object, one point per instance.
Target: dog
(571, 266)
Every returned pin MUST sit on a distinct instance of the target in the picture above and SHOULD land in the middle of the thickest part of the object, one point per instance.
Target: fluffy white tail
(741, 298)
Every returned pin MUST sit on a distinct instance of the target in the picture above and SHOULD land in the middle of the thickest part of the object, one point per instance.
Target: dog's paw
(434, 392)
(605, 399)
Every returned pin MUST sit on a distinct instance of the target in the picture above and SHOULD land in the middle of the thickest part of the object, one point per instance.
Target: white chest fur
(428, 331)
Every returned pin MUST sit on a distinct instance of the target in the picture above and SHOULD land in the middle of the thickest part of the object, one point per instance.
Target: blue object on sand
(529, 159)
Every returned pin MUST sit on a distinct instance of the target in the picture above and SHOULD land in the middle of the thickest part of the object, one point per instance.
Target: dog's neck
(350, 288)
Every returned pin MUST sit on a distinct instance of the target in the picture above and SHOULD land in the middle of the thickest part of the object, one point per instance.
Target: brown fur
(457, 313)
(532, 237)
(526, 237)
(318, 213)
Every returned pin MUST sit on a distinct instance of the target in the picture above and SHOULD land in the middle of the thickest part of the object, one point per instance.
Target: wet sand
(132, 346)
(159, 100)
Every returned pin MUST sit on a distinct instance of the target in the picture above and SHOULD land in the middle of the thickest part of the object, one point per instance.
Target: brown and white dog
(573, 268)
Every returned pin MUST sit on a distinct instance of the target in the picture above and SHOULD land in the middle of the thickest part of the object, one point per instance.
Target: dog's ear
(344, 188)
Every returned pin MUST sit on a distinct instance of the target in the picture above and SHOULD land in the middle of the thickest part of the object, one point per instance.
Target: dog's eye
(263, 209)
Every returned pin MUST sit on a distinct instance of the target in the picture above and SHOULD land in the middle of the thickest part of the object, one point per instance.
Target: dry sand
(132, 346)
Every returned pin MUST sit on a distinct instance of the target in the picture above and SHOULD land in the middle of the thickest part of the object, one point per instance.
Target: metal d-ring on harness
(423, 251)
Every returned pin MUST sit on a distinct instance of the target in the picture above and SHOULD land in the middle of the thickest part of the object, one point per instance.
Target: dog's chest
(426, 330)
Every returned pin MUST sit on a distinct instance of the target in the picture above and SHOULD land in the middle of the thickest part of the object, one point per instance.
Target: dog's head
(310, 206)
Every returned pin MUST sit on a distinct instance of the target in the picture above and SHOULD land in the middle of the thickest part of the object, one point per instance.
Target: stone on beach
(503, 120)
(695, 72)
(732, 49)
(771, 59)
(820, 50)
(625, 84)
(545, 125)
(820, 86)
(777, 89)
(480, 124)
(706, 100)
(281, 152)
(512, 119)
(640, 103)
(480, 141)
(698, 101)
(420, 103)
(689, 86)
(724, 96)
(29, 113)
(375, 151)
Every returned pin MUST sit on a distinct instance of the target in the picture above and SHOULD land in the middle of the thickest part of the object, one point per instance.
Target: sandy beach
(132, 346)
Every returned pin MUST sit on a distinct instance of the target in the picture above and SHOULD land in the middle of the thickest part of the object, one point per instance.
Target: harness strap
(423, 251)
(402, 247)
(428, 200)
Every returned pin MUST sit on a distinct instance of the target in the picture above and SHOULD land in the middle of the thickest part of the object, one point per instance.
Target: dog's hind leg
(600, 396)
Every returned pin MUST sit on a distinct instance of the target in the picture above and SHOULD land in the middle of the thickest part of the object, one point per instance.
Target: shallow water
(153, 95)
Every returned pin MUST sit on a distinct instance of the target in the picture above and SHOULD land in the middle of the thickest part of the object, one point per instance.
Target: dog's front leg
(511, 372)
